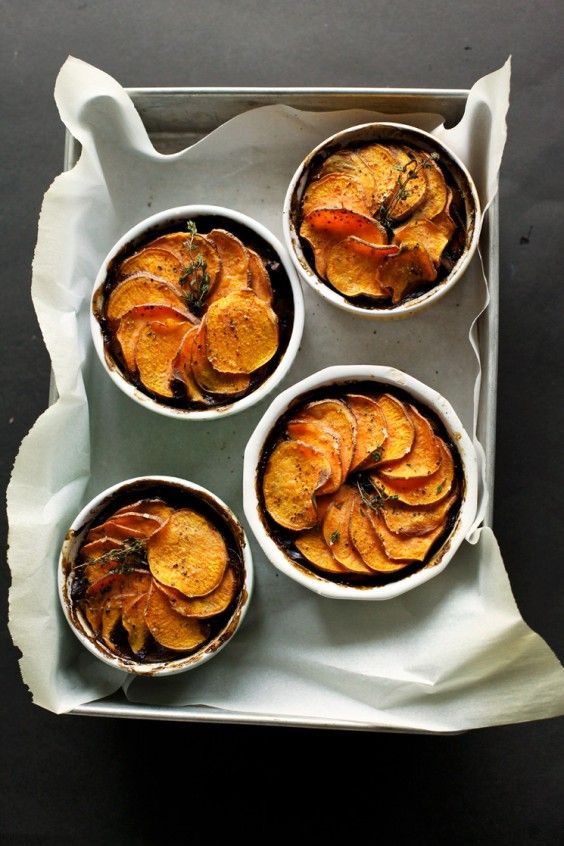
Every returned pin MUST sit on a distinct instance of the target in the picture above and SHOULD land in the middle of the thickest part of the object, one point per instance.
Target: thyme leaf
(132, 554)
(195, 278)
(373, 497)
(334, 537)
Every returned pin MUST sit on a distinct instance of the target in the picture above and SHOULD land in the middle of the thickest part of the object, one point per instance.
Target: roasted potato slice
(334, 414)
(350, 163)
(323, 228)
(322, 503)
(421, 491)
(401, 273)
(133, 620)
(156, 261)
(189, 247)
(437, 191)
(403, 547)
(99, 546)
(142, 290)
(188, 553)
(326, 441)
(312, 546)
(384, 166)
(445, 223)
(336, 191)
(294, 472)
(241, 333)
(153, 507)
(112, 593)
(424, 457)
(336, 534)
(207, 606)
(136, 319)
(156, 350)
(408, 520)
(259, 279)
(411, 188)
(371, 432)
(367, 543)
(234, 258)
(126, 525)
(206, 376)
(182, 366)
(353, 266)
(399, 427)
(425, 234)
(171, 629)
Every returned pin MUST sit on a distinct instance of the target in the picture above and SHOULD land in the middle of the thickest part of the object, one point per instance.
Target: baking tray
(175, 118)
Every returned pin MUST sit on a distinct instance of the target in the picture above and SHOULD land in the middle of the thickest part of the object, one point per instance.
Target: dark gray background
(68, 779)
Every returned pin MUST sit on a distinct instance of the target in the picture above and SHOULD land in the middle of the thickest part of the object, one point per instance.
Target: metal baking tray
(176, 118)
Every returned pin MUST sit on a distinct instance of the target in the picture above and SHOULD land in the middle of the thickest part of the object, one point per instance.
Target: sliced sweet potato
(425, 234)
(294, 472)
(408, 520)
(126, 525)
(189, 248)
(322, 503)
(140, 290)
(234, 264)
(171, 629)
(335, 530)
(94, 570)
(367, 543)
(324, 227)
(259, 280)
(182, 366)
(349, 162)
(326, 441)
(207, 606)
(153, 260)
(421, 491)
(133, 619)
(371, 432)
(336, 415)
(444, 221)
(385, 169)
(157, 347)
(399, 427)
(312, 546)
(335, 191)
(206, 376)
(353, 267)
(136, 319)
(113, 592)
(241, 333)
(154, 507)
(99, 546)
(403, 547)
(403, 272)
(437, 191)
(424, 457)
(188, 553)
(411, 188)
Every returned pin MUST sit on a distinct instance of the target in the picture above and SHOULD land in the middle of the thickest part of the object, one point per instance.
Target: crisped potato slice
(424, 457)
(425, 234)
(189, 248)
(154, 507)
(437, 191)
(336, 191)
(312, 546)
(353, 266)
(408, 520)
(259, 280)
(188, 553)
(133, 619)
(371, 432)
(349, 162)
(155, 353)
(385, 169)
(399, 427)
(241, 333)
(367, 543)
(335, 415)
(126, 525)
(326, 441)
(335, 530)
(171, 629)
(421, 491)
(294, 472)
(182, 366)
(404, 271)
(203, 607)
(141, 290)
(206, 376)
(411, 188)
(323, 228)
(136, 319)
(156, 261)
(403, 547)
(234, 264)
(114, 591)
(99, 546)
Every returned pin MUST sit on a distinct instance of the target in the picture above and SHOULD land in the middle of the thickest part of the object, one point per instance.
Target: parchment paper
(450, 655)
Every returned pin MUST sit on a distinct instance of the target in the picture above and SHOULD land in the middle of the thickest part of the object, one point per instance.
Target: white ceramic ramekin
(371, 133)
(349, 376)
(131, 490)
(172, 220)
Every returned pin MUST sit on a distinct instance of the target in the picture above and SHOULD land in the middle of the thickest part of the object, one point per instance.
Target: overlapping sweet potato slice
(206, 376)
(411, 188)
(133, 620)
(141, 290)
(234, 264)
(136, 319)
(336, 191)
(322, 503)
(401, 273)
(421, 491)
(409, 520)
(371, 432)
(425, 234)
(323, 228)
(154, 507)
(335, 415)
(326, 441)
(336, 534)
(106, 599)
(182, 366)
(424, 457)
(384, 167)
(99, 546)
(188, 553)
(437, 191)
(349, 163)
(156, 350)
(207, 606)
(399, 427)
(189, 248)
(241, 333)
(171, 629)
(353, 267)
(125, 525)
(259, 279)
(367, 543)
(153, 260)
(312, 546)
(403, 547)
(294, 472)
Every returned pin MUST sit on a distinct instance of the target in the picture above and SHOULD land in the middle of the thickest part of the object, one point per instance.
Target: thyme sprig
(410, 170)
(129, 556)
(373, 497)
(195, 277)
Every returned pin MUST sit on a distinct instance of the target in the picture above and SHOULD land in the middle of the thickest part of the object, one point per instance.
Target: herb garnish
(195, 277)
(335, 536)
(373, 497)
(376, 454)
(128, 557)
(440, 487)
(410, 170)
